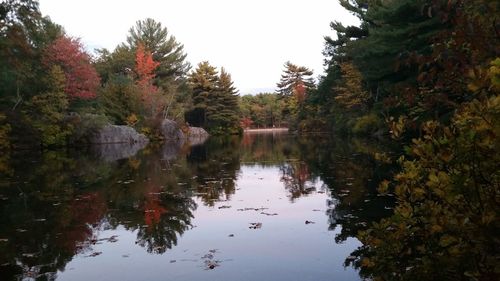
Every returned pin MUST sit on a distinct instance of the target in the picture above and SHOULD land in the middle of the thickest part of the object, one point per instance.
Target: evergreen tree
(164, 47)
(215, 101)
(294, 77)
(203, 82)
(228, 102)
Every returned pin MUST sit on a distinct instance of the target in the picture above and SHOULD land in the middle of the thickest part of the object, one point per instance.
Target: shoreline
(264, 130)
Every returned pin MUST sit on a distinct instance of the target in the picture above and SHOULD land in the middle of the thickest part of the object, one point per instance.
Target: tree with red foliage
(300, 92)
(246, 123)
(82, 80)
(144, 68)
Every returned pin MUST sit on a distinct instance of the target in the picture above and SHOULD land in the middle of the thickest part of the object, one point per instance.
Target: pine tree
(228, 102)
(294, 76)
(215, 100)
(203, 83)
(164, 47)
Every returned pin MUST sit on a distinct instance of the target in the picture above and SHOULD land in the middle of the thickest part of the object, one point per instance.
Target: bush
(367, 124)
(85, 125)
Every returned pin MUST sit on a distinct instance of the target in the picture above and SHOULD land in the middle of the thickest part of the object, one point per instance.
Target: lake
(269, 206)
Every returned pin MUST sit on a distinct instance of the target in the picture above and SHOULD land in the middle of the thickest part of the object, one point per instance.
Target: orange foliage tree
(145, 67)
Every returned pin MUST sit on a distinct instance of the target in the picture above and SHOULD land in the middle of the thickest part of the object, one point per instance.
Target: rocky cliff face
(118, 134)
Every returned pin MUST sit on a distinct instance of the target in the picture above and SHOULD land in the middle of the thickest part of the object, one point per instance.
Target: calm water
(264, 207)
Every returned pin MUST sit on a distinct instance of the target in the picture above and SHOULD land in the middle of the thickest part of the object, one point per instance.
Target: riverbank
(266, 130)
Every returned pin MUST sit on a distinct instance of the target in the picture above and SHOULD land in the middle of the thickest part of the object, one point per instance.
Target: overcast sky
(251, 39)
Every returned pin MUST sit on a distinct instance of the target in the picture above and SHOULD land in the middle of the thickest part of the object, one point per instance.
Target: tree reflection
(53, 205)
(43, 219)
(297, 179)
(216, 165)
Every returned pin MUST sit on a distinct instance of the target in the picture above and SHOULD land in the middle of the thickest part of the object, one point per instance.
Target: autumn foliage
(144, 68)
(81, 79)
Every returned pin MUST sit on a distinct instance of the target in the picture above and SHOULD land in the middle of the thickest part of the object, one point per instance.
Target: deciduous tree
(81, 78)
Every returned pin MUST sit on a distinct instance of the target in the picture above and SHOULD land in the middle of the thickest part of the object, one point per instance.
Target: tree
(81, 78)
(444, 226)
(145, 67)
(263, 110)
(227, 115)
(47, 110)
(23, 35)
(215, 102)
(120, 99)
(294, 79)
(165, 49)
(203, 83)
(351, 94)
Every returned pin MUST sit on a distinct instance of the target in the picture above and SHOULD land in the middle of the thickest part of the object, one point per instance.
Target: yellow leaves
(351, 93)
(397, 127)
(418, 193)
(447, 240)
(485, 78)
(404, 211)
(494, 74)
(383, 187)
(436, 228)
(134, 163)
(383, 157)
(446, 155)
(132, 119)
(477, 79)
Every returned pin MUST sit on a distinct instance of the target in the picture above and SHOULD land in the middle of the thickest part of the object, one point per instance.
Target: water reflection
(55, 206)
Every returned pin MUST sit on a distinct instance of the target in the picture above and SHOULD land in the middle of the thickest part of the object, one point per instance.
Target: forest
(422, 74)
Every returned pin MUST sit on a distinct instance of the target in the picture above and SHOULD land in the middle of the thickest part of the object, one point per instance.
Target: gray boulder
(170, 130)
(197, 135)
(118, 134)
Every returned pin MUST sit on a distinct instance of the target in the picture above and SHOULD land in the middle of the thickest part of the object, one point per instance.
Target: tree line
(53, 92)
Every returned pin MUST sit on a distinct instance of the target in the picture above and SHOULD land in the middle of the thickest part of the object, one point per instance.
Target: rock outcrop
(170, 130)
(197, 135)
(118, 134)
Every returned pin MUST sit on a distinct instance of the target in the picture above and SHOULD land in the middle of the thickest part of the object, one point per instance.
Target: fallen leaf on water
(111, 239)
(269, 214)
(252, 209)
(210, 264)
(94, 254)
(255, 225)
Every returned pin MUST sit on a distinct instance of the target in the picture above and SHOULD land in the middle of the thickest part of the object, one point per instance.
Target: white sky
(251, 39)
